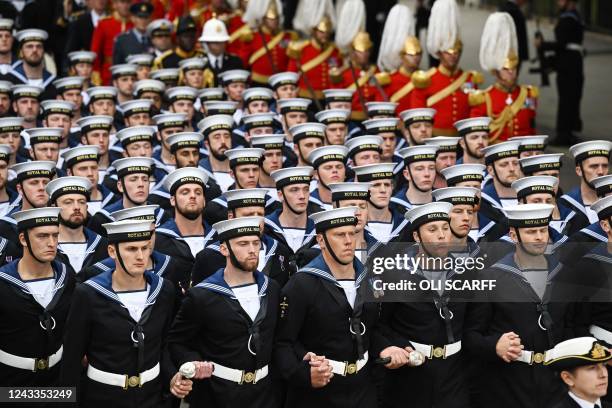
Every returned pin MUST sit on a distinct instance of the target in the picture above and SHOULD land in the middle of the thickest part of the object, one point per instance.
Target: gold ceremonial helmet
(362, 42)
(456, 48)
(412, 46)
(511, 61)
(325, 25)
(272, 12)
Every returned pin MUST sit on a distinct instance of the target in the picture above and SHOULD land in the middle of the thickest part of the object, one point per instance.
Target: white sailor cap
(363, 143)
(257, 120)
(576, 352)
(479, 124)
(11, 124)
(533, 143)
(31, 34)
(386, 109)
(463, 172)
(325, 154)
(220, 107)
(238, 227)
(306, 130)
(34, 169)
(178, 93)
(51, 106)
(165, 75)
(540, 162)
(5, 87)
(45, 135)
(603, 207)
(6, 24)
(329, 116)
(68, 185)
(241, 156)
(335, 218)
(140, 213)
(36, 217)
(246, 197)
(128, 231)
(101, 92)
(456, 195)
(67, 83)
(26, 91)
(603, 185)
(234, 75)
(213, 123)
(188, 64)
(501, 151)
(76, 57)
(257, 94)
(81, 154)
(292, 175)
(350, 191)
(95, 122)
(268, 142)
(183, 140)
(140, 60)
(120, 70)
(135, 134)
(338, 95)
(211, 94)
(5, 152)
(592, 148)
(133, 165)
(149, 85)
(413, 154)
(426, 213)
(161, 25)
(445, 143)
(283, 78)
(134, 106)
(185, 175)
(373, 172)
(170, 120)
(534, 185)
(529, 215)
(417, 115)
(381, 125)
(293, 105)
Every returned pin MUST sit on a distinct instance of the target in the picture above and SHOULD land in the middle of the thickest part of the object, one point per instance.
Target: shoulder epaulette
(476, 98)
(294, 49)
(477, 77)
(246, 34)
(383, 78)
(534, 91)
(421, 79)
(293, 35)
(157, 63)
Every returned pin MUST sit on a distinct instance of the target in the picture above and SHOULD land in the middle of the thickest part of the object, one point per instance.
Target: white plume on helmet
(444, 23)
(256, 10)
(351, 20)
(498, 41)
(309, 13)
(399, 25)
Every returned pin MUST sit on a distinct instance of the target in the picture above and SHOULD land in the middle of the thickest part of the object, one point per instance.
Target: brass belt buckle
(438, 352)
(41, 364)
(248, 377)
(351, 368)
(131, 382)
(538, 358)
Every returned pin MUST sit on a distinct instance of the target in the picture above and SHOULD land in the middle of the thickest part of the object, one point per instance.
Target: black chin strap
(120, 258)
(289, 205)
(413, 182)
(423, 247)
(520, 243)
(27, 240)
(411, 138)
(301, 155)
(507, 185)
(126, 194)
(331, 251)
(467, 148)
(588, 183)
(233, 258)
(25, 197)
(378, 207)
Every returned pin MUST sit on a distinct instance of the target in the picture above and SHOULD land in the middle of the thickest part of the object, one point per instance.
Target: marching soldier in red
(239, 31)
(511, 106)
(446, 87)
(314, 58)
(399, 58)
(266, 45)
(103, 39)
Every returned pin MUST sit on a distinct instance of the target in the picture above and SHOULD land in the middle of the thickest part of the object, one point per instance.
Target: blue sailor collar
(103, 284)
(600, 253)
(9, 274)
(574, 199)
(508, 264)
(170, 228)
(472, 249)
(490, 194)
(273, 221)
(595, 231)
(91, 239)
(18, 70)
(400, 198)
(160, 264)
(556, 239)
(205, 165)
(216, 283)
(315, 197)
(317, 267)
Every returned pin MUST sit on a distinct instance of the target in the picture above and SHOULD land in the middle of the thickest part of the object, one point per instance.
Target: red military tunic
(399, 89)
(447, 93)
(102, 42)
(513, 113)
(239, 33)
(200, 10)
(315, 63)
(344, 79)
(259, 62)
